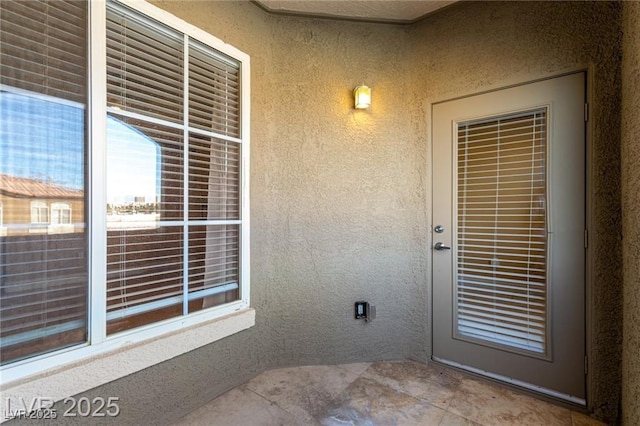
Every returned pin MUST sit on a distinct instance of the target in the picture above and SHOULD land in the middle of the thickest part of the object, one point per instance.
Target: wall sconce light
(362, 95)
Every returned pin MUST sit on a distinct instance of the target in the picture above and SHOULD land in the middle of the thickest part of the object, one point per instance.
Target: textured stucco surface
(631, 212)
(346, 193)
(340, 198)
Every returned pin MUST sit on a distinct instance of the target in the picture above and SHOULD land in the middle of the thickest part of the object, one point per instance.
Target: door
(509, 235)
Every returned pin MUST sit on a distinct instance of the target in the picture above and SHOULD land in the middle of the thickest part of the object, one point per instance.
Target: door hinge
(586, 239)
(586, 112)
(586, 365)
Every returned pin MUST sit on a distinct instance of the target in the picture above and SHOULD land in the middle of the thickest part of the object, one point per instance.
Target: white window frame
(60, 208)
(39, 207)
(56, 223)
(105, 358)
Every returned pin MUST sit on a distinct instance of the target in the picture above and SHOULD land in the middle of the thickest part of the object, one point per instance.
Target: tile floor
(380, 393)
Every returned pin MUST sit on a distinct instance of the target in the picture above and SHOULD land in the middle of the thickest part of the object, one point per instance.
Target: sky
(132, 164)
(45, 140)
(42, 140)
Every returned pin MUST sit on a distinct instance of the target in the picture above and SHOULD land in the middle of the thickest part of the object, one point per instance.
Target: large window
(167, 156)
(173, 173)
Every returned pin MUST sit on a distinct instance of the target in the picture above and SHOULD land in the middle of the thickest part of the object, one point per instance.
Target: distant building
(32, 206)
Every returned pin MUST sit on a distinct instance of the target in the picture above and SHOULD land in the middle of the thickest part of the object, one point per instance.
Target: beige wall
(340, 198)
(630, 209)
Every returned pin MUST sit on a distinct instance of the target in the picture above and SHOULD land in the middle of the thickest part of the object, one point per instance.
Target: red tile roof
(33, 188)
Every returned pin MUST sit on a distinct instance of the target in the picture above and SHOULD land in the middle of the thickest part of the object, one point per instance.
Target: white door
(509, 235)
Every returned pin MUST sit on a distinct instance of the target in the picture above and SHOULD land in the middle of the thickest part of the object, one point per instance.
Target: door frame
(589, 73)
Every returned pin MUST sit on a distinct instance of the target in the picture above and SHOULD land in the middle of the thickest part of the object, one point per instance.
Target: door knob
(441, 246)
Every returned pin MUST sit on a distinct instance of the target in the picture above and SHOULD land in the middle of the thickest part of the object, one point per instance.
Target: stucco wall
(340, 197)
(630, 209)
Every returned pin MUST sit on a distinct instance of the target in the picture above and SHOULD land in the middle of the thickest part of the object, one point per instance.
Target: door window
(501, 288)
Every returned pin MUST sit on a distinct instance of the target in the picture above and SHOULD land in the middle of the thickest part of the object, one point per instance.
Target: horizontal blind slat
(520, 328)
(501, 238)
(213, 92)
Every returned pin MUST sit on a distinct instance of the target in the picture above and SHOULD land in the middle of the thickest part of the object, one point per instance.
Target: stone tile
(450, 419)
(381, 393)
(357, 368)
(303, 391)
(489, 404)
(239, 406)
(367, 402)
(580, 419)
(429, 382)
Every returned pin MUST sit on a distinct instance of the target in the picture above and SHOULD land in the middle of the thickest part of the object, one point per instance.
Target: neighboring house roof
(34, 188)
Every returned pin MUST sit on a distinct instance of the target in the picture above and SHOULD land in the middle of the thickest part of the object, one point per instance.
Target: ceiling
(400, 11)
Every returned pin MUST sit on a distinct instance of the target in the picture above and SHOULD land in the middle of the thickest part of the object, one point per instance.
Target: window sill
(105, 367)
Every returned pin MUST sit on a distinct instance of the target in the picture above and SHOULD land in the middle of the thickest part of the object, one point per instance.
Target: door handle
(441, 246)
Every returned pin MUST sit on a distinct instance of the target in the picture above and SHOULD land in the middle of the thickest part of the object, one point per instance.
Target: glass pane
(501, 291)
(213, 265)
(145, 181)
(214, 91)
(144, 65)
(144, 276)
(145, 176)
(43, 47)
(43, 280)
(214, 179)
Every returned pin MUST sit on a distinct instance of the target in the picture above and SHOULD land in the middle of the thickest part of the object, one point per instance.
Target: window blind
(214, 91)
(145, 263)
(144, 66)
(214, 178)
(44, 47)
(213, 265)
(43, 268)
(501, 289)
(173, 173)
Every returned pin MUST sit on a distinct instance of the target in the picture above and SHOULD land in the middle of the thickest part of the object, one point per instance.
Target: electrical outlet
(361, 310)
(365, 311)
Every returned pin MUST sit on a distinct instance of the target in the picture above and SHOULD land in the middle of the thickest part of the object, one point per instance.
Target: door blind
(501, 289)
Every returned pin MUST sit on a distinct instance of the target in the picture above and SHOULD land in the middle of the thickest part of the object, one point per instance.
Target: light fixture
(362, 95)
